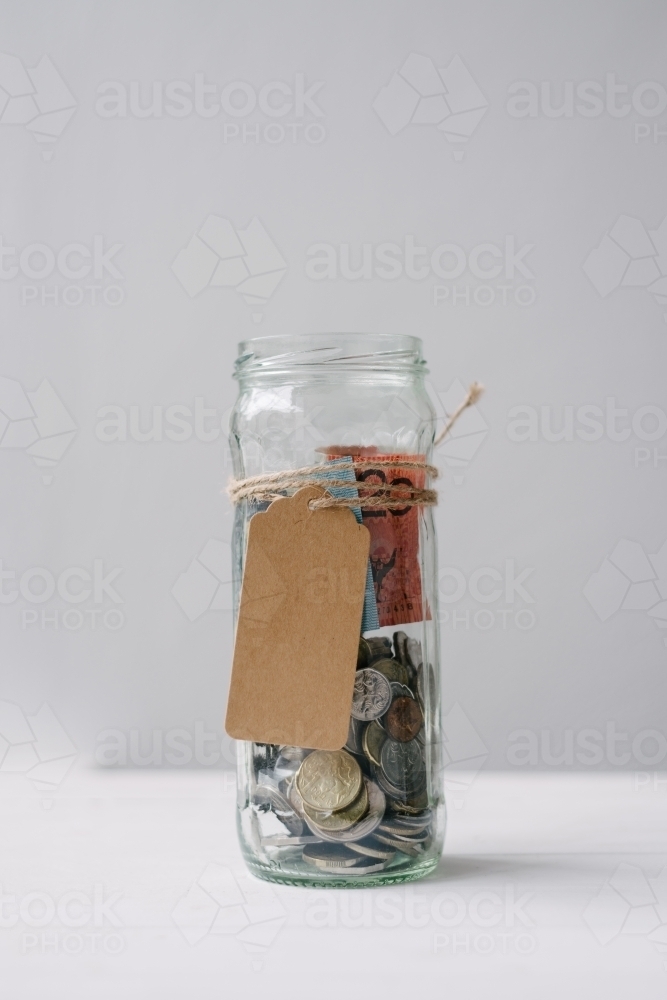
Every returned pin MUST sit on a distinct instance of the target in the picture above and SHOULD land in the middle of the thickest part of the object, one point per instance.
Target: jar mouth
(363, 352)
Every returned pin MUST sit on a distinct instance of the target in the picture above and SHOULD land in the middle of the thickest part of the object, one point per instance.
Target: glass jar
(311, 399)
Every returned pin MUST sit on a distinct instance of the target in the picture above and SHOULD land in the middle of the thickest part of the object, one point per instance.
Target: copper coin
(404, 719)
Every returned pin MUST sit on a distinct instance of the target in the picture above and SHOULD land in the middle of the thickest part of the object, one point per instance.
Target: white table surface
(551, 886)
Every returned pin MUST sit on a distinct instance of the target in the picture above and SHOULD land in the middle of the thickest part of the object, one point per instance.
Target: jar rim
(387, 352)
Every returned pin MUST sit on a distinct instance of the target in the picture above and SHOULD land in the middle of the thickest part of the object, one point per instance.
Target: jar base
(343, 881)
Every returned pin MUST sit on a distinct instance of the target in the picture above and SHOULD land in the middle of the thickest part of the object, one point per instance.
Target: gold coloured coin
(377, 805)
(342, 819)
(372, 740)
(329, 780)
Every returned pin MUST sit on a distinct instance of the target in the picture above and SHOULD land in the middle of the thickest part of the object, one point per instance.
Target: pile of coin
(354, 810)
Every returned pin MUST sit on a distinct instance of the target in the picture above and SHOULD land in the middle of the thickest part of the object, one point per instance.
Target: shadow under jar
(310, 399)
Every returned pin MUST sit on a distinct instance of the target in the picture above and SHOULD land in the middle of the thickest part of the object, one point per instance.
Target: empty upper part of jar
(316, 354)
(304, 396)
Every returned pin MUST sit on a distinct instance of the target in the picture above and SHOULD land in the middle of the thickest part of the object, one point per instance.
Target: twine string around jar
(271, 486)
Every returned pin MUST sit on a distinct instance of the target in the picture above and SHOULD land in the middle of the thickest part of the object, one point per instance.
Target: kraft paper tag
(297, 635)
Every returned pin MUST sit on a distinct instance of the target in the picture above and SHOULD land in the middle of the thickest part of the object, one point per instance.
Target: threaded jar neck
(315, 355)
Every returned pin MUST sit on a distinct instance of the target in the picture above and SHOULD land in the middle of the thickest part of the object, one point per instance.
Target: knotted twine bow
(396, 496)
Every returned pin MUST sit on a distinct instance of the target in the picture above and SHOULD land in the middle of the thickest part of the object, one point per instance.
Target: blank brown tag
(297, 635)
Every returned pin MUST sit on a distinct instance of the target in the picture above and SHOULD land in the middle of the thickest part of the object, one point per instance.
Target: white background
(556, 185)
(559, 658)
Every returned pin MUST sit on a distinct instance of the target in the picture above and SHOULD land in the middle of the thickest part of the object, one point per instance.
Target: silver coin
(413, 851)
(400, 639)
(418, 822)
(280, 840)
(267, 778)
(294, 796)
(354, 735)
(365, 866)
(266, 793)
(285, 767)
(372, 849)
(372, 695)
(293, 753)
(399, 795)
(411, 836)
(376, 807)
(329, 856)
(280, 806)
(413, 649)
(402, 763)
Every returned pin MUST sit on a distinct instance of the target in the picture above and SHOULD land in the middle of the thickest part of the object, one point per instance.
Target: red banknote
(394, 553)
